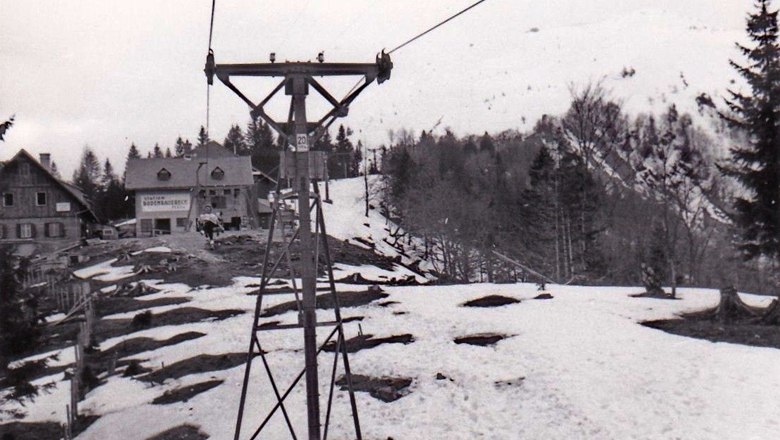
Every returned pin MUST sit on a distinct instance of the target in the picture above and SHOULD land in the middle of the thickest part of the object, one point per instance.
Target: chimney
(45, 159)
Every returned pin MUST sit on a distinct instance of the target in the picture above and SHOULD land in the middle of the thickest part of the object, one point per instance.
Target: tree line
(596, 196)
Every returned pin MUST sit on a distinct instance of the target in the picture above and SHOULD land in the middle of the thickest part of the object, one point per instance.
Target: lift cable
(436, 26)
(210, 54)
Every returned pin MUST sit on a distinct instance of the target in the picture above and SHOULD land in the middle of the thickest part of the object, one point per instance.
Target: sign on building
(63, 207)
(165, 202)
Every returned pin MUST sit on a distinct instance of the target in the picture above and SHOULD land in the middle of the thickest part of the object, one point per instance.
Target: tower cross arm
(370, 70)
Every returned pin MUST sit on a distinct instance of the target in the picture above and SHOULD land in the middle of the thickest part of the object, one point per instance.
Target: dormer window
(164, 174)
(217, 173)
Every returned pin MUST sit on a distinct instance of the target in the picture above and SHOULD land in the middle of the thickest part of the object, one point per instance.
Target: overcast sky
(106, 73)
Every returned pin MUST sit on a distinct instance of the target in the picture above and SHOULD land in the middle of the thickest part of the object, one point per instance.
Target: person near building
(209, 223)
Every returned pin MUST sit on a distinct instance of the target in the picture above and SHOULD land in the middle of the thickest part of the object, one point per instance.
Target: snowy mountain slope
(500, 66)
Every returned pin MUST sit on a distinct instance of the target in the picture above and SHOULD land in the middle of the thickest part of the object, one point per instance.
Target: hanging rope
(438, 25)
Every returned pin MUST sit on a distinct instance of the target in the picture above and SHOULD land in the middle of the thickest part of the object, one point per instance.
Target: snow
(590, 370)
(105, 271)
(581, 364)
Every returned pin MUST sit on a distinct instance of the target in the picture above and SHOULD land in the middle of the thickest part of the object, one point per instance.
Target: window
(236, 192)
(181, 222)
(226, 192)
(3, 233)
(25, 230)
(217, 173)
(146, 225)
(164, 174)
(55, 230)
(40, 199)
(219, 202)
(8, 199)
(24, 169)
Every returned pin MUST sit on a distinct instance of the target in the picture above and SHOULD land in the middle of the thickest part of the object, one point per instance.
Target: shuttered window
(55, 230)
(25, 230)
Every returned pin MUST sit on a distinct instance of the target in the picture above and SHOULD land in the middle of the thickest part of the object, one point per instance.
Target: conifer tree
(203, 137)
(157, 152)
(168, 152)
(235, 141)
(87, 175)
(54, 171)
(756, 162)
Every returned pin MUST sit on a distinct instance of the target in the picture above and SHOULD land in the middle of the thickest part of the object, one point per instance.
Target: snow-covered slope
(578, 365)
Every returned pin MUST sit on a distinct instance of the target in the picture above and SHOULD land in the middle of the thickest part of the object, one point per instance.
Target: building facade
(39, 210)
(170, 193)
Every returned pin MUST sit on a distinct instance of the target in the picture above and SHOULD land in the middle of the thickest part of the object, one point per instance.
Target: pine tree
(157, 152)
(236, 142)
(756, 163)
(203, 137)
(112, 195)
(19, 332)
(87, 175)
(54, 171)
(168, 152)
(260, 142)
(133, 152)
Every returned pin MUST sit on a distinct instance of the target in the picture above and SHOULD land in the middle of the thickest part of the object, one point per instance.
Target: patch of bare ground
(109, 328)
(114, 305)
(42, 430)
(326, 301)
(730, 321)
(543, 296)
(654, 295)
(745, 333)
(365, 342)
(184, 394)
(182, 432)
(202, 363)
(30, 431)
(482, 340)
(491, 301)
(135, 346)
(386, 389)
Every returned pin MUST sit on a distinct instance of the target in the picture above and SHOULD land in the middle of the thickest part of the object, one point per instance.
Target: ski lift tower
(303, 166)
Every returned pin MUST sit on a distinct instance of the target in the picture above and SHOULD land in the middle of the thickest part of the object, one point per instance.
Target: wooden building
(170, 193)
(38, 210)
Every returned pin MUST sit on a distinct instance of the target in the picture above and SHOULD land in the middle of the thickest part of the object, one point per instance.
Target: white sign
(165, 202)
(302, 142)
(63, 207)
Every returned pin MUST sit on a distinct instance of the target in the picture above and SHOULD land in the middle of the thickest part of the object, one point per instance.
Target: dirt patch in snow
(325, 301)
(30, 431)
(184, 394)
(134, 346)
(386, 389)
(365, 342)
(182, 432)
(202, 363)
(745, 333)
(543, 296)
(491, 301)
(114, 305)
(482, 340)
(109, 328)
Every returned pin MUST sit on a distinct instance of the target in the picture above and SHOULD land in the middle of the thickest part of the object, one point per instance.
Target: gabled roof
(142, 173)
(71, 189)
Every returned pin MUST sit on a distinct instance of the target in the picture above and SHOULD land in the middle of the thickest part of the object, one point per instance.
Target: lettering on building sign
(165, 202)
(63, 207)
